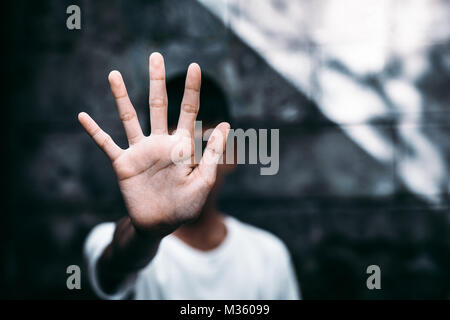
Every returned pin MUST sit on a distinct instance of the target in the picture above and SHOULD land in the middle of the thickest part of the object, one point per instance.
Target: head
(213, 109)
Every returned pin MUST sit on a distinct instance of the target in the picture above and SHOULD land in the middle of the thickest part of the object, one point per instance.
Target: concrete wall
(336, 206)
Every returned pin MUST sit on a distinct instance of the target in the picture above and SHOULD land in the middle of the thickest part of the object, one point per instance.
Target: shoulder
(102, 230)
(100, 236)
(259, 239)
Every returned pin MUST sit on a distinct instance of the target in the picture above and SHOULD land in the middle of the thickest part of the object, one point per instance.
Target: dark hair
(213, 102)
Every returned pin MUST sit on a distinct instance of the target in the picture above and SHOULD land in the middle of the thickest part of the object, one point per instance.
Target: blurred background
(360, 91)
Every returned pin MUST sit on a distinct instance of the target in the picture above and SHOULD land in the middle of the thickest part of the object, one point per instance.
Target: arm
(157, 175)
(128, 252)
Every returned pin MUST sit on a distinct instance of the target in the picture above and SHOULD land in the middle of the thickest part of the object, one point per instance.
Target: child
(174, 243)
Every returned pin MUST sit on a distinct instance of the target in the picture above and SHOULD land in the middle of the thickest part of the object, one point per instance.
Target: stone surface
(336, 206)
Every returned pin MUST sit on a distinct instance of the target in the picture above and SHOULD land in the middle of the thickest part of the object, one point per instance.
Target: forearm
(129, 251)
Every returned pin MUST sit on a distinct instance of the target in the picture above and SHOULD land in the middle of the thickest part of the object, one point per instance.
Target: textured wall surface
(337, 207)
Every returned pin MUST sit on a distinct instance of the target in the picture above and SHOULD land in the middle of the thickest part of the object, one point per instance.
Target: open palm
(160, 184)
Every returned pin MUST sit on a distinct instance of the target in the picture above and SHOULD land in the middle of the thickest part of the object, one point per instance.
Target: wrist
(154, 231)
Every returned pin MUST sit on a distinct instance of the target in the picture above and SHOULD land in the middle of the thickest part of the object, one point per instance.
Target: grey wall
(337, 208)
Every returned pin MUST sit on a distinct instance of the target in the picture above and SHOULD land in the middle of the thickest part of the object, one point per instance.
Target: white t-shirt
(249, 264)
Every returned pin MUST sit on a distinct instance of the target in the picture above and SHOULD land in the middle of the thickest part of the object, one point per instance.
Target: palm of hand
(159, 188)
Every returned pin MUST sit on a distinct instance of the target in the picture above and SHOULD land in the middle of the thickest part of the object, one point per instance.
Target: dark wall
(337, 209)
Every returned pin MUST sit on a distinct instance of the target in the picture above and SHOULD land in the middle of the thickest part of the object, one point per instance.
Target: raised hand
(160, 185)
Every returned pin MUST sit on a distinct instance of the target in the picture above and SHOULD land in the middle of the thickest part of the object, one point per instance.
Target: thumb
(215, 148)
